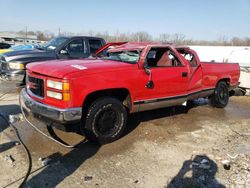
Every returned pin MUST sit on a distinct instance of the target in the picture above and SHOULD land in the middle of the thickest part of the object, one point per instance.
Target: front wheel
(105, 120)
(220, 96)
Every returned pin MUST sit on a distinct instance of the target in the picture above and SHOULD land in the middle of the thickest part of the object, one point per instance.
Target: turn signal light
(66, 96)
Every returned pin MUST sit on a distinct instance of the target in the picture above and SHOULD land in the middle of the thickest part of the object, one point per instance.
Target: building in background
(16, 38)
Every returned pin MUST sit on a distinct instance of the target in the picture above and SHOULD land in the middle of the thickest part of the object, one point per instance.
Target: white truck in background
(241, 56)
(229, 54)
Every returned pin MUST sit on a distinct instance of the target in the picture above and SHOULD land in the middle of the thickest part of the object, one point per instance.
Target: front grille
(4, 65)
(2, 61)
(36, 86)
(2, 58)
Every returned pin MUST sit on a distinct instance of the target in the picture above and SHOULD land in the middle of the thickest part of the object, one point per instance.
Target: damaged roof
(128, 46)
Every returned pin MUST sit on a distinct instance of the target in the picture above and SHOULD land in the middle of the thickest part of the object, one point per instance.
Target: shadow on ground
(7, 110)
(63, 166)
(7, 146)
(197, 173)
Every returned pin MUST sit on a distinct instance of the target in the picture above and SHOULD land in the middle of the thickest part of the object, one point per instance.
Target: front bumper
(46, 112)
(13, 75)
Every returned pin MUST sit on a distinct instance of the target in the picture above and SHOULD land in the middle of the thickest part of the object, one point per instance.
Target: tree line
(142, 36)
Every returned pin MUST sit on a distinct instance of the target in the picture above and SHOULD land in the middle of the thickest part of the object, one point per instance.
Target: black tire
(220, 97)
(105, 120)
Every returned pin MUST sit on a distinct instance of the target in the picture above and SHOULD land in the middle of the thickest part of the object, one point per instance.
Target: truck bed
(219, 69)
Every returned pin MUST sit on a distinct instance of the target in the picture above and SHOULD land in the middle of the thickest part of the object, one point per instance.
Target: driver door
(169, 77)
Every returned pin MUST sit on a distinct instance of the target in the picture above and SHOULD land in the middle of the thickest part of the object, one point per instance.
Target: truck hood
(27, 54)
(62, 68)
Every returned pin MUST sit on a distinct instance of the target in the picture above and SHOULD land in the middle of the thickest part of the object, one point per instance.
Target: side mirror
(146, 69)
(150, 83)
(64, 52)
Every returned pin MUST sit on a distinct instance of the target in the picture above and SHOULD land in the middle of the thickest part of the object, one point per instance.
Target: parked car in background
(2, 51)
(132, 77)
(243, 58)
(13, 64)
(21, 47)
(4, 46)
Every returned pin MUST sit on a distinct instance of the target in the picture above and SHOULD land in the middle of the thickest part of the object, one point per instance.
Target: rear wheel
(220, 96)
(105, 120)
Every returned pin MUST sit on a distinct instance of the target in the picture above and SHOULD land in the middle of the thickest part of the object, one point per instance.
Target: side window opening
(190, 58)
(193, 62)
(94, 45)
(75, 49)
(162, 57)
(76, 46)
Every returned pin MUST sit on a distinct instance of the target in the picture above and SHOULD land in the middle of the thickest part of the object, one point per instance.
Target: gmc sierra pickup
(131, 77)
(13, 64)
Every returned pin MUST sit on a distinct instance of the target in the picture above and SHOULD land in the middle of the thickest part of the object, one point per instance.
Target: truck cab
(13, 64)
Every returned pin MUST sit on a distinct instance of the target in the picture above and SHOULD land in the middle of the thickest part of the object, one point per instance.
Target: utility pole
(26, 34)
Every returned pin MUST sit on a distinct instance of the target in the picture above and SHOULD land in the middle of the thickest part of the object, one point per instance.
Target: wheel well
(226, 80)
(121, 94)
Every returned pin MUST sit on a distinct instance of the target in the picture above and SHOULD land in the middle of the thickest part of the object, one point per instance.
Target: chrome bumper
(12, 77)
(64, 116)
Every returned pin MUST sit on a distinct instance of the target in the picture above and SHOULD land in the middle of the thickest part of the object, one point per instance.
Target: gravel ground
(199, 146)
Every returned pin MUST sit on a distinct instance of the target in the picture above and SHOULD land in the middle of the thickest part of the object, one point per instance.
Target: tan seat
(165, 61)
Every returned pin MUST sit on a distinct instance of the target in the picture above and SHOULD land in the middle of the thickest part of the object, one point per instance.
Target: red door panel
(168, 82)
(195, 79)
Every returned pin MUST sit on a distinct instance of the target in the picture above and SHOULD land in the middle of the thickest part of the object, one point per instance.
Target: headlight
(55, 84)
(63, 88)
(16, 66)
(54, 94)
(58, 85)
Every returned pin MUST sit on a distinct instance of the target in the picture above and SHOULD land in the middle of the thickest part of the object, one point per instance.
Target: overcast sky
(197, 19)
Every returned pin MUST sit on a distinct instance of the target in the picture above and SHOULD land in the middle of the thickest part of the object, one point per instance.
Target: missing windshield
(124, 56)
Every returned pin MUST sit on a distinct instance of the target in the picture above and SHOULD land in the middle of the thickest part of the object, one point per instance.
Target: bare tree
(164, 37)
(142, 36)
(178, 38)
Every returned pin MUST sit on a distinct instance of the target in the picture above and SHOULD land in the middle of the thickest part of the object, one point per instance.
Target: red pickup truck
(123, 78)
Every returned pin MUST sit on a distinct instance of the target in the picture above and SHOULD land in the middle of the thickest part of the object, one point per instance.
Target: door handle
(184, 74)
